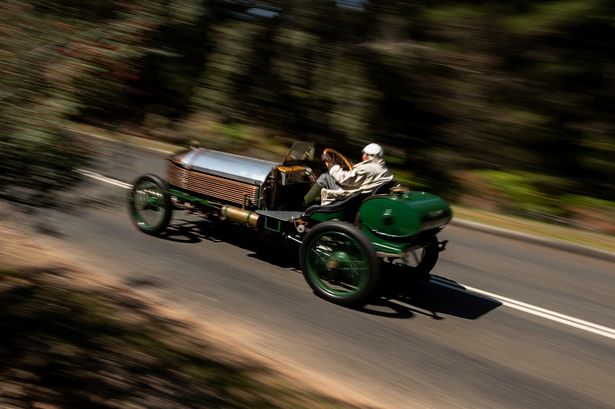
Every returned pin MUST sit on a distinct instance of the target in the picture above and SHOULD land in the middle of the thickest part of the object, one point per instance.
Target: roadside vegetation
(69, 345)
(501, 106)
(508, 101)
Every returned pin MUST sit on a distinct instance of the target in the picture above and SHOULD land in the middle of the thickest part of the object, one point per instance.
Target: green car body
(343, 246)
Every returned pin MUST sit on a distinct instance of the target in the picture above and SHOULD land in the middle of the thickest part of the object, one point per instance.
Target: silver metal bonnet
(227, 165)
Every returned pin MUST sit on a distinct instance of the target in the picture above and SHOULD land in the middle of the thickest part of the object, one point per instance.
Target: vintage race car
(343, 245)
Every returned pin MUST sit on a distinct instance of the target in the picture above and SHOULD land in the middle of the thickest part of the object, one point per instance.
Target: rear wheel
(340, 264)
(150, 205)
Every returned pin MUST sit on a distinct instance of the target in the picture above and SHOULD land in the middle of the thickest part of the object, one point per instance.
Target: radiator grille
(177, 176)
(213, 186)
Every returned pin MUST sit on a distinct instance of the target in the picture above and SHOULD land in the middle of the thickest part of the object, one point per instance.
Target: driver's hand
(328, 160)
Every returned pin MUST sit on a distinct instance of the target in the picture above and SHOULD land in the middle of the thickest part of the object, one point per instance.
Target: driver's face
(364, 157)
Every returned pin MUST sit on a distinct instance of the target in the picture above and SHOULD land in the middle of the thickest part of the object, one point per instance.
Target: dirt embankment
(72, 338)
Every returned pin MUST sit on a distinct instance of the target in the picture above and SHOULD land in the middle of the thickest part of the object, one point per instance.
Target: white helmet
(373, 150)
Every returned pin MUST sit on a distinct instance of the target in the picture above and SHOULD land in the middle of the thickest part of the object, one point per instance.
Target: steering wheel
(340, 158)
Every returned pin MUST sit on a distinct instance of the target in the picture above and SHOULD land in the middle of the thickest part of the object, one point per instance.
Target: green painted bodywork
(190, 198)
(272, 224)
(392, 221)
(323, 217)
(404, 215)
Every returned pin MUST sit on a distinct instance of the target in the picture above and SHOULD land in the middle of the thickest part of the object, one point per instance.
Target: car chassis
(342, 245)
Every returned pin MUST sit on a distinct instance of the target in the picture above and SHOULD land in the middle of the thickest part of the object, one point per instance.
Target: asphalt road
(442, 344)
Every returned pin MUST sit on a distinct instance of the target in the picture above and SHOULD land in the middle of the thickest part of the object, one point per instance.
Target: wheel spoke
(150, 204)
(338, 263)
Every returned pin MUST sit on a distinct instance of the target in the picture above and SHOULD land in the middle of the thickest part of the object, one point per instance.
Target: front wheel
(340, 264)
(150, 205)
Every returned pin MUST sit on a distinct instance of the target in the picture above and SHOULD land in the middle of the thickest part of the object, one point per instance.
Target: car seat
(347, 208)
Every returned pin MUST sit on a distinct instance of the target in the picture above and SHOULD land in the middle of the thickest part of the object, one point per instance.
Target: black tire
(340, 264)
(149, 202)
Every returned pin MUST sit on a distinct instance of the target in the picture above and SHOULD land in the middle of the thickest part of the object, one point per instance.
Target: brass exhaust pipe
(238, 215)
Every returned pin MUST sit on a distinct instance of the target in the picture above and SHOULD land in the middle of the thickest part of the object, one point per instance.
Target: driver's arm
(348, 179)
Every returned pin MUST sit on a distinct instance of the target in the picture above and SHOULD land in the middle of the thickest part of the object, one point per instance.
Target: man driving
(364, 177)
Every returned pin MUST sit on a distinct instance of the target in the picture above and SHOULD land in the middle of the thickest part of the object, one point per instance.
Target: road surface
(502, 324)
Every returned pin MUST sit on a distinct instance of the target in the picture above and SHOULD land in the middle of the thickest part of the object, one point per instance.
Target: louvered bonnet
(220, 175)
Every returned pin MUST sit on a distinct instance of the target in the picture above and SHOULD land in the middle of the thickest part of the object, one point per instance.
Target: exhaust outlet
(238, 215)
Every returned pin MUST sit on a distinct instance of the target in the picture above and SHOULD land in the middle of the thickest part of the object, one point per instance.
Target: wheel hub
(336, 259)
(152, 203)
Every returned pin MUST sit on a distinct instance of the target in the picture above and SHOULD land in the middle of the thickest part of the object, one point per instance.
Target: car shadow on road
(400, 295)
(272, 250)
(403, 296)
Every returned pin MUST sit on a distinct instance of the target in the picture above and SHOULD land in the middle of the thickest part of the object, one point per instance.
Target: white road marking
(508, 302)
(534, 310)
(104, 179)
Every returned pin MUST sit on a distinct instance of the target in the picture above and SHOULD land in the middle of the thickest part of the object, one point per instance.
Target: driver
(338, 183)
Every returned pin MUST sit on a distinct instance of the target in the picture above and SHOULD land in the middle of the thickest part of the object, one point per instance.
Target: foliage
(540, 197)
(40, 160)
(446, 85)
(591, 202)
(526, 192)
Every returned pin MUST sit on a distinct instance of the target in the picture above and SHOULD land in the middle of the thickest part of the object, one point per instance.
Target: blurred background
(503, 105)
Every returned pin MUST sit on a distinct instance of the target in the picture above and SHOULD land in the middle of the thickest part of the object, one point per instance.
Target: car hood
(227, 165)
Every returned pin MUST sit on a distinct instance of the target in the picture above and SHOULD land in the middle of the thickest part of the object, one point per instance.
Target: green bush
(528, 193)
(38, 161)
